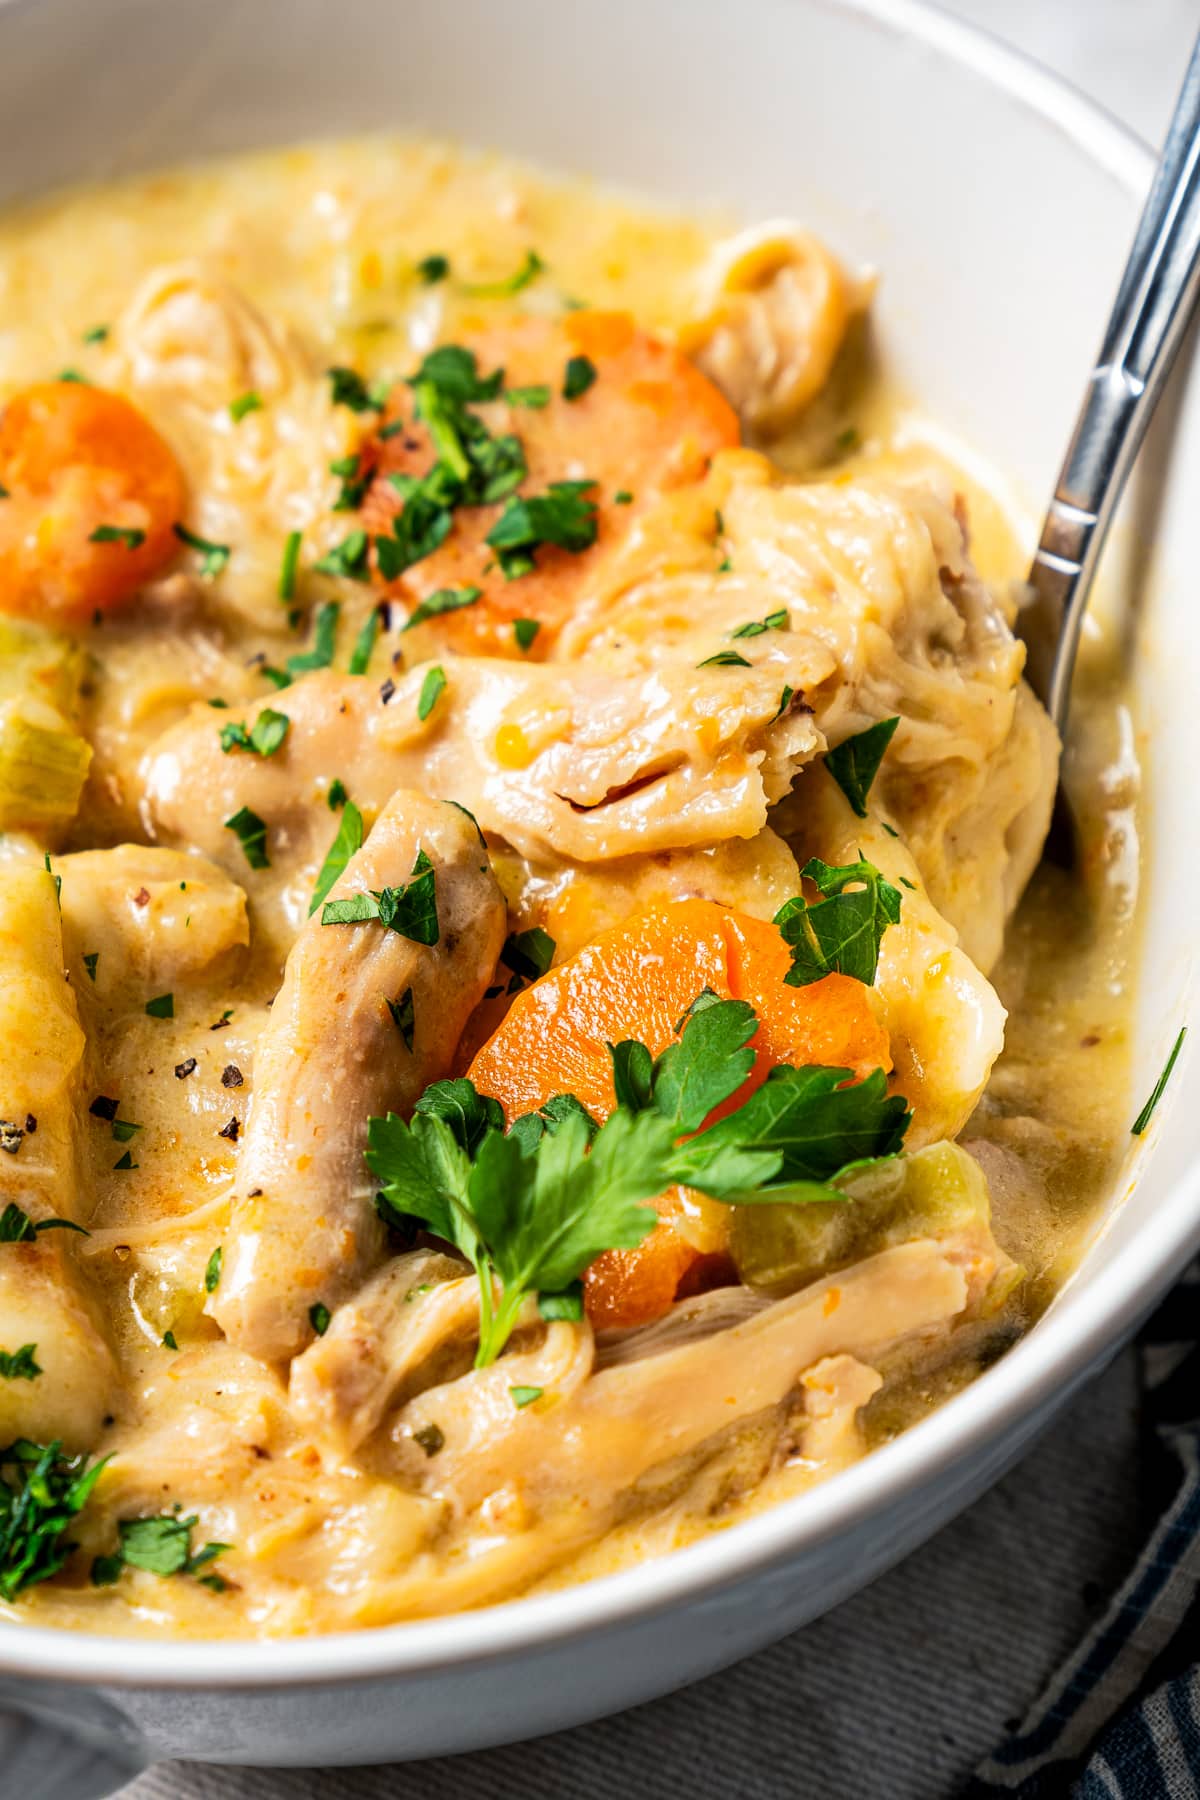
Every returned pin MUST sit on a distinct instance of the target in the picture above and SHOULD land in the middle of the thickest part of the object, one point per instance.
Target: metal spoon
(1153, 307)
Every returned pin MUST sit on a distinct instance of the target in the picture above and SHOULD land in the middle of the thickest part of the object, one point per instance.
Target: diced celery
(42, 772)
(934, 1191)
(40, 664)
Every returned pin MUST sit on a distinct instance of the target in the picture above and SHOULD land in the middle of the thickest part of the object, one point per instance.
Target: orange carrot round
(92, 494)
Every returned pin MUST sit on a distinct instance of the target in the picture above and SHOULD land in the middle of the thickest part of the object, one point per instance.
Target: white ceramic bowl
(998, 205)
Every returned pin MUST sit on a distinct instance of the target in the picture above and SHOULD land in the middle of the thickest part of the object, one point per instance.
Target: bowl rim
(1056, 1356)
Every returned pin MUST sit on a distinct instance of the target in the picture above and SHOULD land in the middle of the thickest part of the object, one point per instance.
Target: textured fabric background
(898, 1694)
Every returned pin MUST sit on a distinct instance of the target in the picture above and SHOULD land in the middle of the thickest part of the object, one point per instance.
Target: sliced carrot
(649, 422)
(76, 460)
(638, 981)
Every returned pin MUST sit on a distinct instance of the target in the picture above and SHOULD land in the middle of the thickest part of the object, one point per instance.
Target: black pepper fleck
(231, 1130)
(184, 1069)
(387, 690)
(30, 1124)
(104, 1108)
(231, 1076)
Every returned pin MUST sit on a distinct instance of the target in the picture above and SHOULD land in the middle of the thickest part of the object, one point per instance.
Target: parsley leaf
(445, 600)
(319, 1316)
(364, 643)
(212, 1271)
(41, 1491)
(725, 659)
(524, 631)
(161, 1545)
(348, 840)
(432, 689)
(347, 559)
(525, 1396)
(161, 1007)
(579, 376)
(561, 516)
(20, 1365)
(325, 626)
(245, 403)
(841, 933)
(535, 397)
(530, 269)
(404, 1017)
(854, 763)
(347, 388)
(129, 535)
(251, 832)
(213, 557)
(289, 565)
(432, 269)
(264, 737)
(774, 621)
(528, 954)
(411, 911)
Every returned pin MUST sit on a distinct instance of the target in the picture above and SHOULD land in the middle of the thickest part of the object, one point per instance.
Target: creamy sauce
(277, 267)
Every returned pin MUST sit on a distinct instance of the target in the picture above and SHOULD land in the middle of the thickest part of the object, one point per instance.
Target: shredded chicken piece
(557, 761)
(304, 1229)
(773, 310)
(835, 1391)
(151, 916)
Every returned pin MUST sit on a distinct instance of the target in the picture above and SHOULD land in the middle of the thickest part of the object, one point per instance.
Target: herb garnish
(20, 1365)
(432, 269)
(212, 1271)
(411, 910)
(264, 737)
(336, 797)
(530, 269)
(774, 621)
(160, 1545)
(347, 388)
(528, 954)
(16, 1226)
(325, 626)
(525, 630)
(245, 403)
(41, 1491)
(725, 659)
(90, 960)
(525, 1396)
(432, 689)
(347, 559)
(533, 1208)
(319, 1316)
(445, 600)
(1143, 1119)
(213, 557)
(251, 833)
(364, 643)
(289, 565)
(854, 763)
(129, 535)
(561, 516)
(535, 397)
(347, 842)
(842, 932)
(579, 376)
(404, 1017)
(95, 334)
(161, 1007)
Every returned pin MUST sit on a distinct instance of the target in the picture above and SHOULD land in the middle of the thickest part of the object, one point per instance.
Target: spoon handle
(1154, 304)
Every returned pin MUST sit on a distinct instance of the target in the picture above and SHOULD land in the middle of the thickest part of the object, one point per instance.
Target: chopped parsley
(124, 1130)
(245, 403)
(161, 1007)
(325, 626)
(41, 1492)
(432, 269)
(528, 954)
(622, 497)
(213, 557)
(170, 1341)
(445, 600)
(432, 689)
(1143, 1119)
(251, 833)
(20, 1365)
(289, 565)
(212, 1271)
(525, 1396)
(530, 269)
(533, 397)
(16, 1226)
(161, 1546)
(567, 1305)
(364, 643)
(562, 516)
(130, 535)
(842, 932)
(404, 1017)
(95, 334)
(347, 388)
(410, 910)
(90, 962)
(854, 763)
(319, 1316)
(579, 376)
(525, 630)
(347, 560)
(264, 737)
(336, 797)
(347, 842)
(785, 700)
(355, 474)
(126, 1162)
(774, 621)
(725, 659)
